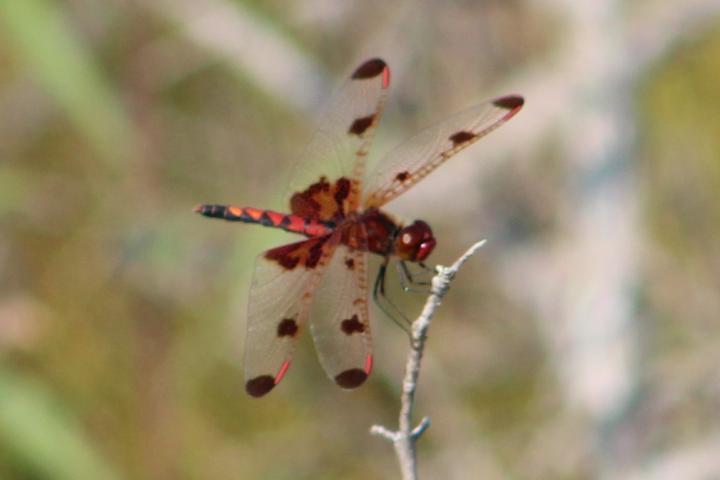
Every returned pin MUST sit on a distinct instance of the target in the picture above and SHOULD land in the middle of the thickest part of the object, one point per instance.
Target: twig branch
(405, 438)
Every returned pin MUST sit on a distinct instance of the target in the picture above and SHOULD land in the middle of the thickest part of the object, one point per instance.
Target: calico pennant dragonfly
(336, 207)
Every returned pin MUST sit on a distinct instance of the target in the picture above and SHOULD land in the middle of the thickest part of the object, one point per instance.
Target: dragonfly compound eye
(415, 242)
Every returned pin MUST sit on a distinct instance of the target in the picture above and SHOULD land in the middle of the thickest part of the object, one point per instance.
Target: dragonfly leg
(426, 270)
(385, 304)
(409, 283)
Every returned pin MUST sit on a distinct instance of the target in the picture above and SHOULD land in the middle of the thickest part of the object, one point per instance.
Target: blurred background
(582, 342)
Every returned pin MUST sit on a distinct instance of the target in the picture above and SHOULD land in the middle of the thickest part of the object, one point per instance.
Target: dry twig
(405, 438)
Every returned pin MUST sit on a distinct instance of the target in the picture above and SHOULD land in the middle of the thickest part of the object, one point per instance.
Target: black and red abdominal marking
(340, 216)
(267, 218)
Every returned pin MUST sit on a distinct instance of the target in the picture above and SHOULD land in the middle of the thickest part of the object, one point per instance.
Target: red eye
(415, 242)
(425, 249)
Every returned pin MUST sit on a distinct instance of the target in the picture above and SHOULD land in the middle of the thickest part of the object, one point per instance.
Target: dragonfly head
(414, 242)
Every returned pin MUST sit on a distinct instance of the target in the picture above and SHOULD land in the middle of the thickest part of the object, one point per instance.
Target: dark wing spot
(351, 378)
(286, 256)
(461, 137)
(259, 386)
(370, 69)
(352, 325)
(359, 126)
(322, 200)
(306, 253)
(342, 190)
(402, 176)
(350, 263)
(287, 328)
(305, 203)
(314, 254)
(510, 102)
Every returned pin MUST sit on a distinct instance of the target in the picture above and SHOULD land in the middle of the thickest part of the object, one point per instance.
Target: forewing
(413, 160)
(339, 321)
(280, 295)
(326, 181)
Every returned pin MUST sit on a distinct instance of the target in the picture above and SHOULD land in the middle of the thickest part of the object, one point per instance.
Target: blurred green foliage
(45, 44)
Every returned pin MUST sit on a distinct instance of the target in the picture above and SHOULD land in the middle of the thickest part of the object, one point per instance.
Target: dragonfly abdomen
(268, 218)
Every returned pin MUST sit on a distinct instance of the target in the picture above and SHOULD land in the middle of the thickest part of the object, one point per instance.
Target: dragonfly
(336, 206)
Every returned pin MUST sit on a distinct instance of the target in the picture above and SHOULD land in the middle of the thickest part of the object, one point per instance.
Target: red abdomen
(268, 218)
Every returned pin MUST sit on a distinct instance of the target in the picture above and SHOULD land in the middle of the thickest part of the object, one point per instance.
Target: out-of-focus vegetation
(122, 312)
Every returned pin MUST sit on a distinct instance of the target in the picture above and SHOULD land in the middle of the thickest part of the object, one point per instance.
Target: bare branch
(406, 436)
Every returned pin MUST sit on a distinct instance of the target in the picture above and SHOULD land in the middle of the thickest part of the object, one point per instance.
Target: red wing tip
(509, 102)
(351, 378)
(370, 69)
(259, 386)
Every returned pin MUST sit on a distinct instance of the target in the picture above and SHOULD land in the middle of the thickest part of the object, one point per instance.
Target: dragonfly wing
(339, 321)
(414, 159)
(280, 295)
(325, 183)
